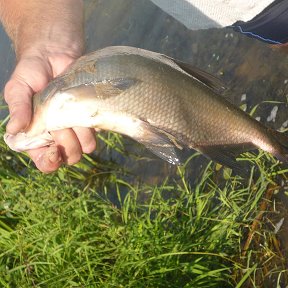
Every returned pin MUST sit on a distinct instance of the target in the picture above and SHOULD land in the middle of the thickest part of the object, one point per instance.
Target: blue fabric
(270, 26)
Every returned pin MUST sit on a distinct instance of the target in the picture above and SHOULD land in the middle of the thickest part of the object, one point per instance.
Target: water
(253, 71)
(7, 63)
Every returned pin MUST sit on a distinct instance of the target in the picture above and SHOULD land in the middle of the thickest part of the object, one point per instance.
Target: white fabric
(202, 14)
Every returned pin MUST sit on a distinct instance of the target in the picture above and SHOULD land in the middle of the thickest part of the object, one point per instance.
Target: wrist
(53, 26)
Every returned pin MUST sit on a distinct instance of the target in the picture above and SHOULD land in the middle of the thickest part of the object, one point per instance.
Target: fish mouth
(23, 141)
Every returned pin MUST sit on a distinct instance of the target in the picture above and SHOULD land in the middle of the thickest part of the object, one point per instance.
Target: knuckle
(17, 92)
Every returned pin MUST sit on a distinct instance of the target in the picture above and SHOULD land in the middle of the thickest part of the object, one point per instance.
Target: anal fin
(226, 154)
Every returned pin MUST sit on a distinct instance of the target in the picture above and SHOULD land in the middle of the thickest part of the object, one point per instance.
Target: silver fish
(163, 103)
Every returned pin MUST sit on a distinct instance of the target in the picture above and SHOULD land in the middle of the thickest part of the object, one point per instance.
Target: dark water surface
(254, 71)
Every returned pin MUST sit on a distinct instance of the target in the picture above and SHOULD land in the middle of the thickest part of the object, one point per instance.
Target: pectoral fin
(102, 90)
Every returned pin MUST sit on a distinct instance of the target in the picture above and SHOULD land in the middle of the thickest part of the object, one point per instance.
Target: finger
(68, 145)
(86, 138)
(46, 159)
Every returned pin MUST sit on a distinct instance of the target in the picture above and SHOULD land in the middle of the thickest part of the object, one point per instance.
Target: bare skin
(47, 36)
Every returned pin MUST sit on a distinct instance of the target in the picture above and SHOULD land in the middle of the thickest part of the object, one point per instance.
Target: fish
(163, 103)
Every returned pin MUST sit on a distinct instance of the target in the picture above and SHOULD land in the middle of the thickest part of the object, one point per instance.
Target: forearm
(52, 24)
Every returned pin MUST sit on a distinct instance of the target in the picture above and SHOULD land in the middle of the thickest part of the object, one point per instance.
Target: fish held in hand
(165, 104)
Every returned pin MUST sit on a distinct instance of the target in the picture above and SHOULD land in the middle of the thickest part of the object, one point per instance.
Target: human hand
(47, 36)
(31, 75)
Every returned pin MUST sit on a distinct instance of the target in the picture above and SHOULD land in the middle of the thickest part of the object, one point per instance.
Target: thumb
(18, 97)
(29, 77)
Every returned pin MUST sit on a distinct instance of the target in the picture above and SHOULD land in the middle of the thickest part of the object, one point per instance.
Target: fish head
(22, 141)
(53, 109)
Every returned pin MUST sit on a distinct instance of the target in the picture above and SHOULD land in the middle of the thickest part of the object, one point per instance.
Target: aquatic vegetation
(87, 226)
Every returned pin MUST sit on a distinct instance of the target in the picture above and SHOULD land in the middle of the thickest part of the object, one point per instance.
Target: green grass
(63, 229)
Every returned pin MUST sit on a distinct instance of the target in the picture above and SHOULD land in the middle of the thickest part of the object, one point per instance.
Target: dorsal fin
(206, 78)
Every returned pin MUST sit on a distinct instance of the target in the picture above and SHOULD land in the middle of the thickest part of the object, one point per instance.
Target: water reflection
(7, 62)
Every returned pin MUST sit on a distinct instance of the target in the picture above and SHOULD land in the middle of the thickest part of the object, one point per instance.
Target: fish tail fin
(282, 140)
